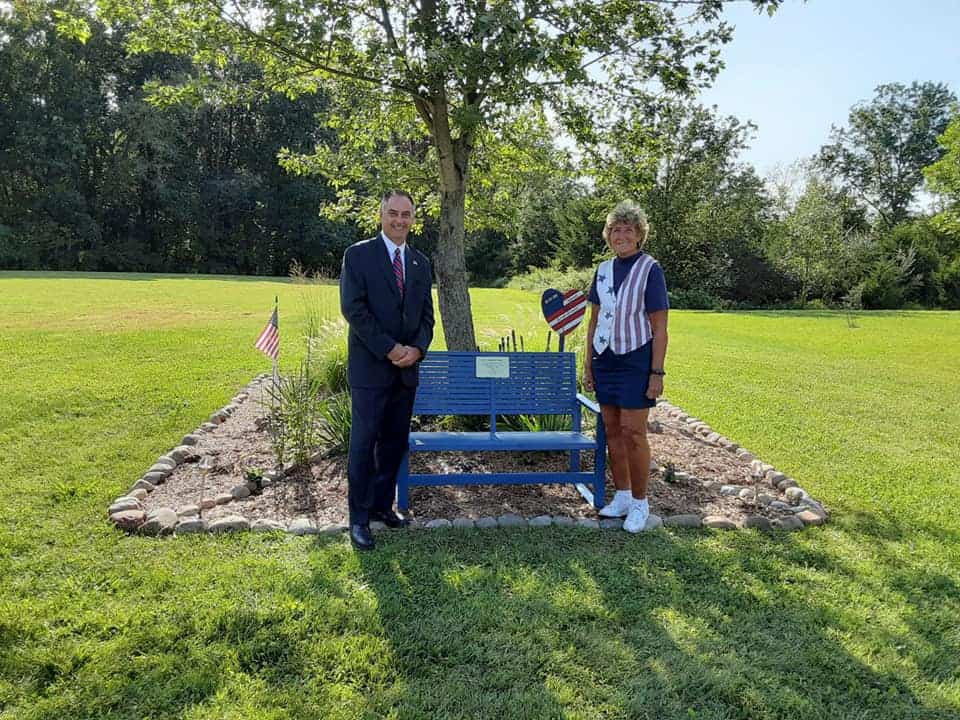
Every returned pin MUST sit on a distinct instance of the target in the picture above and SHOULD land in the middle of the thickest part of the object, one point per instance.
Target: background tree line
(118, 161)
(95, 177)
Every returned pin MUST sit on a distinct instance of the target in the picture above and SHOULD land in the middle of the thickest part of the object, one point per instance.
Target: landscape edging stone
(125, 511)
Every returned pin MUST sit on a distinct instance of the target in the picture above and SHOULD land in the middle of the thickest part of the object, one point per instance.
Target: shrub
(890, 281)
(881, 288)
(693, 300)
(949, 280)
(931, 249)
(540, 279)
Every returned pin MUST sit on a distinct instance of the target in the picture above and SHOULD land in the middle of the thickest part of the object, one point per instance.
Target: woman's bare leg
(633, 432)
(616, 443)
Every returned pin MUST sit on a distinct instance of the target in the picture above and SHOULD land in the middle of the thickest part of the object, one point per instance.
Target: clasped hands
(404, 355)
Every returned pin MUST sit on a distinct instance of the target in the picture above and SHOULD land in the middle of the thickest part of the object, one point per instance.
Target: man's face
(396, 217)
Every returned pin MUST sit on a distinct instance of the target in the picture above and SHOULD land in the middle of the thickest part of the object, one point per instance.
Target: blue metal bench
(492, 384)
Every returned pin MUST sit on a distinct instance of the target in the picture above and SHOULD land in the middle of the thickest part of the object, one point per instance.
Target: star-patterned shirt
(654, 298)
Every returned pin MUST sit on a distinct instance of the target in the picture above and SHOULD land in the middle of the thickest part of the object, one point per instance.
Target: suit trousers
(379, 437)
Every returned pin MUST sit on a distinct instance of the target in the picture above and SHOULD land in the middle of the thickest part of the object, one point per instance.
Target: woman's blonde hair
(629, 213)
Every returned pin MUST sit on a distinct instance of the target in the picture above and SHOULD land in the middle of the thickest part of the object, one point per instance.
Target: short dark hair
(396, 193)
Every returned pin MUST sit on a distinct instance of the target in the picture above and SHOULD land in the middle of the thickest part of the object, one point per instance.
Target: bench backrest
(539, 383)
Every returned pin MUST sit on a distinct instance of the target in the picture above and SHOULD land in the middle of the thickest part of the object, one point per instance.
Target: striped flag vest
(622, 323)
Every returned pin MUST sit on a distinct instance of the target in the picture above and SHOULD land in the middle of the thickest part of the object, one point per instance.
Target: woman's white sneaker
(637, 517)
(619, 506)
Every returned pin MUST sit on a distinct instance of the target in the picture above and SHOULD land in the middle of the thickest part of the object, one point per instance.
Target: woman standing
(623, 360)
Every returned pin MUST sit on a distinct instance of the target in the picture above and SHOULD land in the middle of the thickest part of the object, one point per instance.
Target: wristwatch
(658, 371)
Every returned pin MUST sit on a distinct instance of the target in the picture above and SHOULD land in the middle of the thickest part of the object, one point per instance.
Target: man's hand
(397, 353)
(411, 356)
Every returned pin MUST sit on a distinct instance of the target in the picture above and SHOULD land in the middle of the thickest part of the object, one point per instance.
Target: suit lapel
(413, 269)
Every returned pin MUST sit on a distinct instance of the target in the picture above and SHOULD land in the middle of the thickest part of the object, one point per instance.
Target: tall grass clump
(335, 422)
(319, 307)
(294, 415)
(328, 355)
(309, 411)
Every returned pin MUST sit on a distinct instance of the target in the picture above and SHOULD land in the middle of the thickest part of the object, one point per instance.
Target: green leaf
(71, 27)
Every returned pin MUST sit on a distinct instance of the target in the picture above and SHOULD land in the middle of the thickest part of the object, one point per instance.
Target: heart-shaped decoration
(563, 310)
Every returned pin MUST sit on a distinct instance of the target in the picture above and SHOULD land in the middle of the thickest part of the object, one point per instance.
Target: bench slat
(500, 441)
(502, 478)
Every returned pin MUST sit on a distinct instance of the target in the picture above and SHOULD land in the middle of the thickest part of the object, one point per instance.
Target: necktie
(398, 270)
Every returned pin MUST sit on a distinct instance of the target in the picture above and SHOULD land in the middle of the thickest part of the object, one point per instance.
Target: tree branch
(259, 39)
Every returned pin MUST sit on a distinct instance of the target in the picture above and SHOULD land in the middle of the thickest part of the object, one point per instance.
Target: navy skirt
(622, 380)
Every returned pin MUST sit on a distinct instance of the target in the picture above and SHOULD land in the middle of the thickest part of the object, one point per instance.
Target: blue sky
(800, 71)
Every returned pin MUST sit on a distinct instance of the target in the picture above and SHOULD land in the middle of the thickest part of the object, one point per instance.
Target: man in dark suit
(385, 298)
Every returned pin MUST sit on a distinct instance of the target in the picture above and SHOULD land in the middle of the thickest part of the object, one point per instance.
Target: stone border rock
(127, 512)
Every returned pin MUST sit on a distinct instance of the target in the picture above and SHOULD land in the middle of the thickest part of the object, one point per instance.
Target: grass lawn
(100, 374)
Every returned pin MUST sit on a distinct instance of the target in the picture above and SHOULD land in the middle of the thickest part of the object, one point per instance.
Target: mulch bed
(223, 456)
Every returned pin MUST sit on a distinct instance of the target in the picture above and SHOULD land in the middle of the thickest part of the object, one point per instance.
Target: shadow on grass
(536, 623)
(561, 623)
(931, 597)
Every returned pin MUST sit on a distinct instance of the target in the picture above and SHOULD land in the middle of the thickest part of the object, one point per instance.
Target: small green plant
(295, 415)
(253, 473)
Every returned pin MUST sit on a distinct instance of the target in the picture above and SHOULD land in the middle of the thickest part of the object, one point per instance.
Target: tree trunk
(451, 265)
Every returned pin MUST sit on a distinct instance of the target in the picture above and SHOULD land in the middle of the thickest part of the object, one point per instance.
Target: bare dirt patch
(225, 457)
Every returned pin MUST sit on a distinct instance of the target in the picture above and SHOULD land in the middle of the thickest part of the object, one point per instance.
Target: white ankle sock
(622, 495)
(638, 502)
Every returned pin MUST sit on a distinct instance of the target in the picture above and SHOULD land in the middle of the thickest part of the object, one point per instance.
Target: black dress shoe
(361, 537)
(390, 518)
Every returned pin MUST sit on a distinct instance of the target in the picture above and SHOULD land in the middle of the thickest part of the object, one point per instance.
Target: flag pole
(276, 371)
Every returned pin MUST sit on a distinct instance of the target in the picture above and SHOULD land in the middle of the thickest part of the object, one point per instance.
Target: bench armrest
(588, 403)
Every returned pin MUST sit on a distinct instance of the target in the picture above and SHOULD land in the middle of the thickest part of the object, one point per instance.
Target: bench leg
(600, 466)
(403, 483)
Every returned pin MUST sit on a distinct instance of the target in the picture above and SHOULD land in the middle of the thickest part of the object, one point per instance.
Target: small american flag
(269, 341)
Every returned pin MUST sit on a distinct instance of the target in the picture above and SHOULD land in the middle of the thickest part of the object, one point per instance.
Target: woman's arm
(588, 349)
(658, 324)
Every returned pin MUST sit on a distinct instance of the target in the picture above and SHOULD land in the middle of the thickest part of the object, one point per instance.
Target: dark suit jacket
(370, 302)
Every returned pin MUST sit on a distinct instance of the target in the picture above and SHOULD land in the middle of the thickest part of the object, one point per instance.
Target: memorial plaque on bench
(493, 367)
